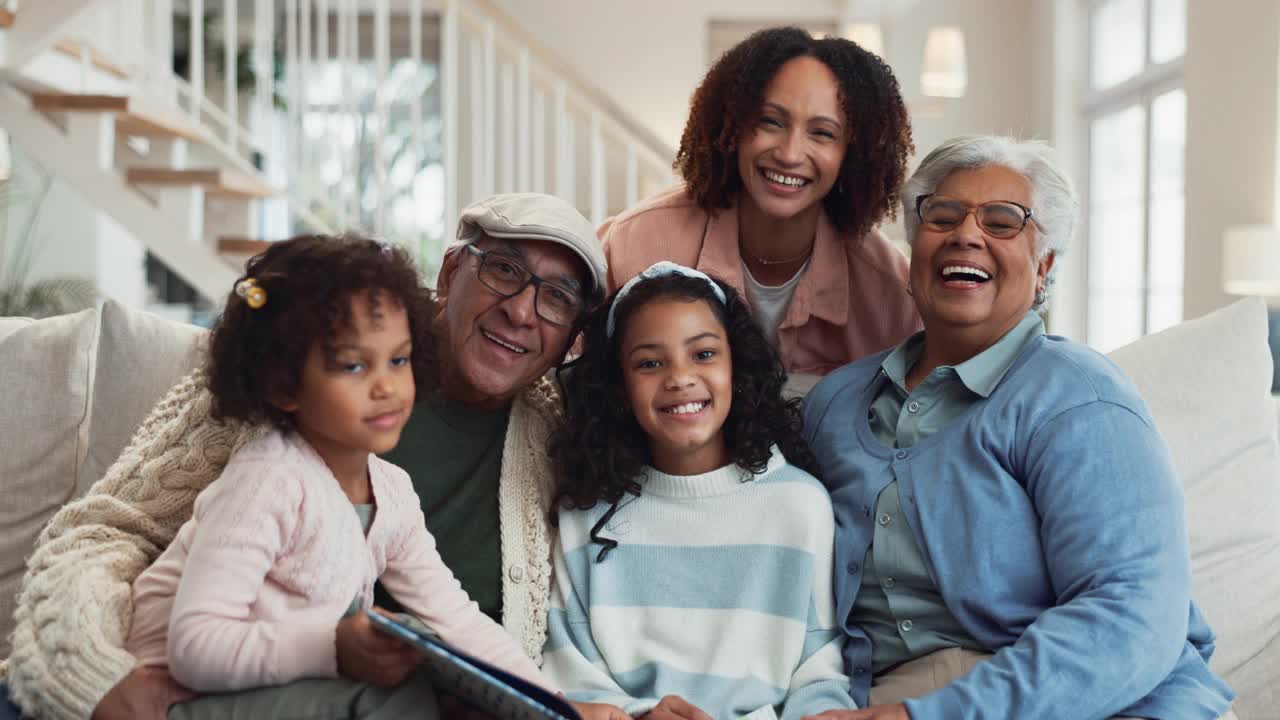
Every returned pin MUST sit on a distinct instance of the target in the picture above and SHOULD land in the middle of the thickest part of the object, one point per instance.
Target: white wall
(647, 56)
(69, 237)
(1233, 92)
(999, 52)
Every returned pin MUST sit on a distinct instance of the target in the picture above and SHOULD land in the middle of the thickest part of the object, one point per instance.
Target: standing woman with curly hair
(794, 151)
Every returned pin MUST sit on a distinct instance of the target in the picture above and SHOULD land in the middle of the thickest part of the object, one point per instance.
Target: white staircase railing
(383, 116)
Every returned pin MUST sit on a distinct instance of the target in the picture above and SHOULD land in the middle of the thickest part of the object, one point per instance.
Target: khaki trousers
(933, 671)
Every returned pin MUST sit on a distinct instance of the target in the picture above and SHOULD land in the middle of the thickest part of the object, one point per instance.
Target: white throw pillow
(1207, 384)
(46, 369)
(140, 356)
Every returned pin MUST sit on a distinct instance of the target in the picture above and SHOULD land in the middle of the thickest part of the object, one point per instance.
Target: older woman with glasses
(1010, 534)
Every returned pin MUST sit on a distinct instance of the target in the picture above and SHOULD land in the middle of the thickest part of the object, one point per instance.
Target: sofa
(74, 388)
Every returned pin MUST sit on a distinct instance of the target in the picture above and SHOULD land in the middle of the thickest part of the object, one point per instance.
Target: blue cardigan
(1053, 519)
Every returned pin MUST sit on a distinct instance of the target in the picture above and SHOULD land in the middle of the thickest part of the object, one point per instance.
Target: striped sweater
(719, 591)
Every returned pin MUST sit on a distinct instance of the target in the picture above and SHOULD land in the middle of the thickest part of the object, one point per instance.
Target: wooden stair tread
(133, 117)
(241, 245)
(6, 18)
(216, 181)
(73, 48)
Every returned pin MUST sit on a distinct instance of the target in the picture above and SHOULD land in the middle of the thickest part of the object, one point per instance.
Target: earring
(909, 290)
(1041, 296)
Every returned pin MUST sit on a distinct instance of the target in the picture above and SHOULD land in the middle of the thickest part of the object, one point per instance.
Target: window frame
(1142, 89)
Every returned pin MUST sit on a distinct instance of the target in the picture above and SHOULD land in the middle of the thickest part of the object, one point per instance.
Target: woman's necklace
(781, 261)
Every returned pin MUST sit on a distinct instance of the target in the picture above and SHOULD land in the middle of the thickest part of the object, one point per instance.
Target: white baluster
(632, 186)
(522, 121)
(599, 180)
(341, 41)
(166, 89)
(291, 80)
(539, 128)
(230, 45)
(507, 135)
(196, 62)
(449, 56)
(489, 118)
(565, 170)
(306, 154)
(355, 115)
(415, 105)
(262, 60)
(475, 100)
(382, 56)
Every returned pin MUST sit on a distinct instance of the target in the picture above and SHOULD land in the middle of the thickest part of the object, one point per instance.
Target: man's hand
(599, 711)
(897, 711)
(674, 707)
(144, 694)
(367, 655)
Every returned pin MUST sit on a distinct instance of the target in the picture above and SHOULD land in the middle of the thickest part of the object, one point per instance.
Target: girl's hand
(674, 707)
(144, 694)
(599, 711)
(897, 711)
(367, 655)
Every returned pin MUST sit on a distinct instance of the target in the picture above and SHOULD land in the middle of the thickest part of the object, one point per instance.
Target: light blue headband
(659, 269)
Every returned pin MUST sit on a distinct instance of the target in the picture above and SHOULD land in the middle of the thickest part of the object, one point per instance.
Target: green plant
(23, 191)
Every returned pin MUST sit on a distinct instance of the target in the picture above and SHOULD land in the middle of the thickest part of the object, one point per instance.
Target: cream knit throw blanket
(75, 605)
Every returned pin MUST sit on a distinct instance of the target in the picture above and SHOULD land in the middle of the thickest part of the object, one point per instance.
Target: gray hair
(1053, 198)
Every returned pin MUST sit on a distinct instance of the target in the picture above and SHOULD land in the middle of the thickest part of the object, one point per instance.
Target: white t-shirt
(770, 303)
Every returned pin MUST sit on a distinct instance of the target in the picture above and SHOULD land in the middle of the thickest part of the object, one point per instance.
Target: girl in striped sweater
(693, 565)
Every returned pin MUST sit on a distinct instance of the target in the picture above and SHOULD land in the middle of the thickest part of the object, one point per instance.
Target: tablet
(488, 688)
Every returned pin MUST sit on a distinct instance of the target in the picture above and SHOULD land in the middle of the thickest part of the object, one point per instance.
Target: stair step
(133, 116)
(215, 181)
(240, 245)
(74, 48)
(6, 18)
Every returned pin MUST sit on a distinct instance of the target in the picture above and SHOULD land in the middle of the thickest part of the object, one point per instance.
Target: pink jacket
(851, 302)
(251, 590)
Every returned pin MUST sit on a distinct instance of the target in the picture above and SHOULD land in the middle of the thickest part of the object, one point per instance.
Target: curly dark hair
(600, 450)
(727, 104)
(257, 354)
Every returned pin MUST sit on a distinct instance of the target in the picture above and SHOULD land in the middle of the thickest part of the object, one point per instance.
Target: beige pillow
(140, 356)
(1207, 383)
(46, 371)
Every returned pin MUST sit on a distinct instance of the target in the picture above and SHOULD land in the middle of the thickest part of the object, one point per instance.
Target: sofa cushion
(1207, 383)
(140, 356)
(46, 370)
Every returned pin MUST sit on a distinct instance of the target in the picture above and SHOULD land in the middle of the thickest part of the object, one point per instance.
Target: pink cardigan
(851, 302)
(251, 590)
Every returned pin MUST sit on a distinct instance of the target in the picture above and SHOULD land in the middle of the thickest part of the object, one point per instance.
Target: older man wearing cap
(512, 288)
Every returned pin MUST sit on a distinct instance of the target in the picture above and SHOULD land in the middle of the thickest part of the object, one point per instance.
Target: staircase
(306, 115)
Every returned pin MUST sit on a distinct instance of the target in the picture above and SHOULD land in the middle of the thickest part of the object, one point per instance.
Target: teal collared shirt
(898, 603)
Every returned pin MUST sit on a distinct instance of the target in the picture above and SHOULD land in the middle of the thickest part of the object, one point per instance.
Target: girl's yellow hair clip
(254, 295)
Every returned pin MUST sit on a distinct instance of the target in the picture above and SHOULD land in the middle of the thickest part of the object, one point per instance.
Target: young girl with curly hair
(693, 566)
(794, 151)
(326, 342)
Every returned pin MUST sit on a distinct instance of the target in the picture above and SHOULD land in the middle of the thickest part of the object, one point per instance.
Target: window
(1136, 112)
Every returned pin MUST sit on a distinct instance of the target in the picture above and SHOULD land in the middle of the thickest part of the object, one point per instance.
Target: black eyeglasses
(1001, 219)
(505, 275)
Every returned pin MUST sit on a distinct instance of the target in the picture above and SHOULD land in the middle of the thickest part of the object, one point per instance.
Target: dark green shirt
(454, 456)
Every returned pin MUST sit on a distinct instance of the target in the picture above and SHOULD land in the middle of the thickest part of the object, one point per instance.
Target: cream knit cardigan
(74, 608)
